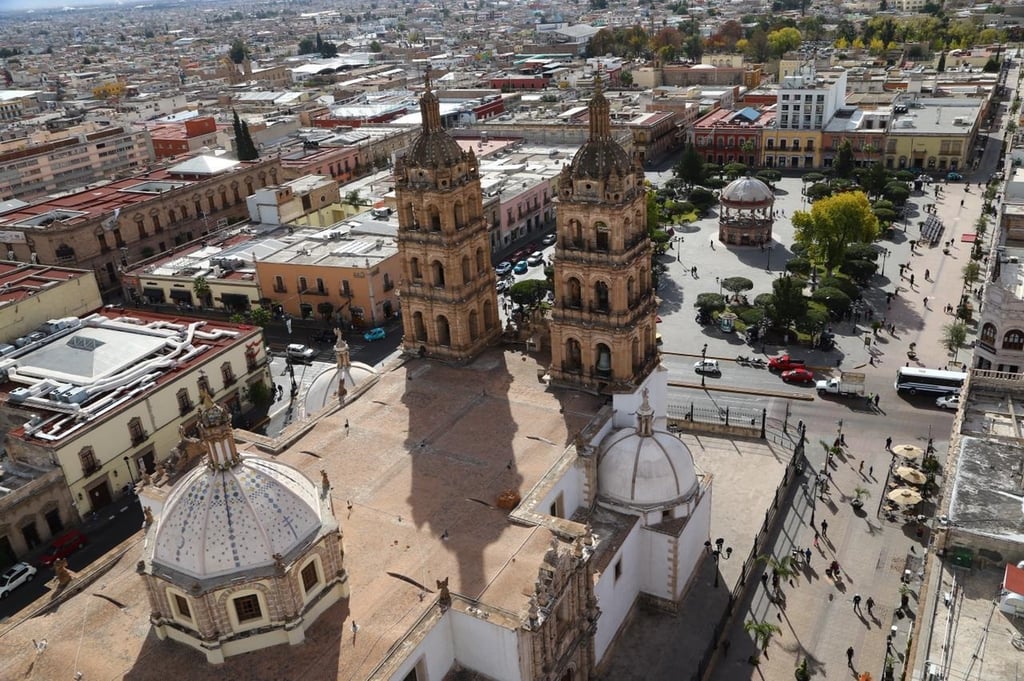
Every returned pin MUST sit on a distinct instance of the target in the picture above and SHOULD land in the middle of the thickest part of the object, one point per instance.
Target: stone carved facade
(449, 302)
(563, 613)
(603, 322)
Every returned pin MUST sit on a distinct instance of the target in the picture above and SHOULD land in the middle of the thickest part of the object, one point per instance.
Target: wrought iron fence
(729, 415)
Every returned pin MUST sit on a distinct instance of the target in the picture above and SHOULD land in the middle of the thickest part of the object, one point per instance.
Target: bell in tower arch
(604, 360)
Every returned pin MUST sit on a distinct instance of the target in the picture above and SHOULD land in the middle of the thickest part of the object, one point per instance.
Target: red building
(175, 139)
(725, 136)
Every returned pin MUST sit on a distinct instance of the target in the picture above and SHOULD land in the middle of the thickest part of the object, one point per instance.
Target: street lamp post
(128, 465)
(716, 553)
(768, 267)
(703, 358)
(885, 254)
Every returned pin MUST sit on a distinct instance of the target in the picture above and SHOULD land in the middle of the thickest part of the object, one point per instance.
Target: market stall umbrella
(908, 451)
(904, 496)
(911, 475)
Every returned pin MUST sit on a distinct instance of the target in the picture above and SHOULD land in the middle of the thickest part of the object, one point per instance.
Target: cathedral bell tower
(603, 322)
(449, 301)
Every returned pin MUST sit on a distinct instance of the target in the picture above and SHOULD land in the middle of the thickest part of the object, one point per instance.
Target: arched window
(631, 291)
(603, 236)
(573, 356)
(414, 267)
(474, 325)
(419, 329)
(410, 217)
(603, 367)
(488, 315)
(444, 334)
(467, 274)
(601, 301)
(575, 293)
(460, 215)
(988, 333)
(480, 261)
(635, 351)
(576, 233)
(1013, 340)
(438, 274)
(435, 219)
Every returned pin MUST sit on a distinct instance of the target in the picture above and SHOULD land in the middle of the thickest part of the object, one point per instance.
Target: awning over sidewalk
(969, 238)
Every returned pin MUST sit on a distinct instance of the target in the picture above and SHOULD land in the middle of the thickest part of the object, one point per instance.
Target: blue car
(374, 334)
(521, 267)
(954, 176)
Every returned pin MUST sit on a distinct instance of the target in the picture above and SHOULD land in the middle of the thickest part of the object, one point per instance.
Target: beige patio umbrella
(911, 475)
(904, 496)
(908, 451)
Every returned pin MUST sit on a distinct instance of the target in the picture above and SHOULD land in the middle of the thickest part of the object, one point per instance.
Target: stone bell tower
(603, 322)
(449, 301)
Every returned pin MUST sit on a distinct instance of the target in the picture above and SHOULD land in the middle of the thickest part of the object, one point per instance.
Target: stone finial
(60, 567)
(324, 480)
(444, 599)
(148, 513)
(278, 564)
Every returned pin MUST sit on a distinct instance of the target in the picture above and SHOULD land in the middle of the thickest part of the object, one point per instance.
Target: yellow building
(354, 275)
(31, 295)
(934, 135)
(791, 148)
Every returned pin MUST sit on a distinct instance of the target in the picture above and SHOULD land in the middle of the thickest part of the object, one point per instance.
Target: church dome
(433, 149)
(235, 513)
(599, 158)
(747, 191)
(645, 468)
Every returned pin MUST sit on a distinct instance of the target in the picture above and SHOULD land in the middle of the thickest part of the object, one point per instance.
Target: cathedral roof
(433, 147)
(641, 467)
(226, 521)
(600, 156)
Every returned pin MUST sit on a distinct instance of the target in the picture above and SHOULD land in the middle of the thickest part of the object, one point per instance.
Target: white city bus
(915, 379)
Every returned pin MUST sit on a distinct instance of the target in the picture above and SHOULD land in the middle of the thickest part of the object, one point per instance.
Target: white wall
(616, 597)
(485, 647)
(436, 650)
(691, 544)
(657, 552)
(570, 486)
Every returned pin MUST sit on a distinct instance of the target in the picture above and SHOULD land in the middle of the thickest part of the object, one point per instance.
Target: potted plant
(801, 672)
(859, 495)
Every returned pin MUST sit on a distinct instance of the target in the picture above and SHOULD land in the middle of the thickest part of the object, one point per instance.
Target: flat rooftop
(20, 281)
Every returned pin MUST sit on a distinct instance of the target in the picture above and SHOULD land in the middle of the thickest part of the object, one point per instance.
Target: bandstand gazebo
(746, 215)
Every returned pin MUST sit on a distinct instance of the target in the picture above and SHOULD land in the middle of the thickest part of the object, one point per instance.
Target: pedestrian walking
(871, 471)
(807, 554)
(856, 602)
(861, 469)
(824, 528)
(911, 279)
(927, 275)
(816, 544)
(842, 439)
(870, 602)
(876, 400)
(764, 579)
(926, 301)
(888, 444)
(712, 244)
(849, 657)
(961, 203)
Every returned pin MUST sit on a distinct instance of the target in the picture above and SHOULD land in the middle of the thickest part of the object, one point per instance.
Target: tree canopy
(832, 224)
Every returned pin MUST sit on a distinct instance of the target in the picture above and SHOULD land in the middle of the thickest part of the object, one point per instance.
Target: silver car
(15, 576)
(300, 353)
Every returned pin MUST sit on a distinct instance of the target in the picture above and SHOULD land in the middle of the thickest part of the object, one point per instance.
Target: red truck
(784, 363)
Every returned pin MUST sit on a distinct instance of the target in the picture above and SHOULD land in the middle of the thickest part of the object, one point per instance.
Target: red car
(63, 546)
(784, 363)
(798, 376)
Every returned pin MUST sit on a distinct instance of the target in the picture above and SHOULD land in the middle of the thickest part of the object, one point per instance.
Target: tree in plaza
(843, 166)
(763, 632)
(734, 170)
(260, 316)
(707, 303)
(859, 270)
(789, 303)
(769, 176)
(832, 224)
(942, 63)
(653, 212)
(529, 293)
(954, 335)
(818, 191)
(874, 179)
(971, 272)
(834, 299)
(737, 285)
(690, 168)
(702, 199)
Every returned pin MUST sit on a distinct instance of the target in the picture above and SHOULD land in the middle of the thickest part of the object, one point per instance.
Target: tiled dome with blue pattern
(220, 522)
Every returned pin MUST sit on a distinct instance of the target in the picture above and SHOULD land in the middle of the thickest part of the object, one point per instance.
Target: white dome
(226, 521)
(645, 470)
(747, 191)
